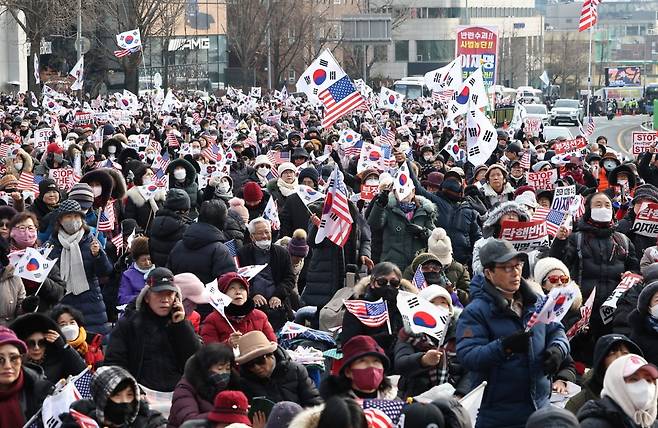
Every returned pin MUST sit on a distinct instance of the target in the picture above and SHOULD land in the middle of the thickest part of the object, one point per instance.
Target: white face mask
(196, 151)
(602, 215)
(111, 149)
(97, 190)
(90, 154)
(427, 157)
(70, 332)
(654, 311)
(146, 180)
(372, 182)
(180, 174)
(224, 187)
(263, 171)
(641, 393)
(18, 166)
(264, 245)
(540, 156)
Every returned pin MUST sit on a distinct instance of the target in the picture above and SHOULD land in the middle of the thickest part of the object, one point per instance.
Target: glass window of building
(435, 50)
(402, 50)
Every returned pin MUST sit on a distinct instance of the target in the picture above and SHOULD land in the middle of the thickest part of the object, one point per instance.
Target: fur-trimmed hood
(421, 203)
(490, 192)
(497, 213)
(119, 187)
(102, 177)
(361, 286)
(308, 418)
(136, 197)
(190, 171)
(28, 163)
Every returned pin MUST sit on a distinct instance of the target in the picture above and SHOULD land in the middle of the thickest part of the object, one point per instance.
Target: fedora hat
(252, 345)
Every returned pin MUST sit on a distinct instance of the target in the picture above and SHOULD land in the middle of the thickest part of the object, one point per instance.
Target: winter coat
(605, 413)
(605, 256)
(41, 210)
(50, 293)
(289, 382)
(167, 228)
(400, 243)
(189, 184)
(325, 270)
(90, 303)
(240, 174)
(273, 189)
(132, 282)
(234, 228)
(201, 252)
(61, 361)
(645, 337)
(35, 389)
(586, 393)
(141, 210)
(647, 171)
(491, 198)
(146, 418)
(626, 304)
(12, 294)
(187, 404)
(516, 384)
(216, 329)
(353, 327)
(282, 274)
(294, 215)
(152, 348)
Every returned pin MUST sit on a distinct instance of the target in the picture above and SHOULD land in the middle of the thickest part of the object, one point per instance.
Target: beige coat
(12, 293)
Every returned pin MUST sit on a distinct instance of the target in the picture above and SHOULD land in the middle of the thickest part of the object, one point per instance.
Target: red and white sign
(525, 236)
(544, 180)
(570, 146)
(646, 222)
(64, 177)
(369, 191)
(532, 125)
(607, 309)
(478, 46)
(41, 138)
(644, 142)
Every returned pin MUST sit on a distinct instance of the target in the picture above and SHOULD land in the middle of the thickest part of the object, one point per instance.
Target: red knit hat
(8, 337)
(362, 346)
(225, 280)
(230, 407)
(251, 192)
(54, 148)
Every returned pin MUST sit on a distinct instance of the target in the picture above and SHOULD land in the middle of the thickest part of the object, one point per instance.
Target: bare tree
(564, 59)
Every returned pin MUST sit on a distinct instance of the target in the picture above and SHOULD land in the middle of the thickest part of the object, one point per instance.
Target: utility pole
(269, 46)
(78, 42)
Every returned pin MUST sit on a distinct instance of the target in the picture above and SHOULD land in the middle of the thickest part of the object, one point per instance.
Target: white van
(412, 87)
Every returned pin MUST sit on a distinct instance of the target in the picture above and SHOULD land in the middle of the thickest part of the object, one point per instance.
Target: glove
(552, 360)
(415, 230)
(30, 304)
(517, 342)
(382, 199)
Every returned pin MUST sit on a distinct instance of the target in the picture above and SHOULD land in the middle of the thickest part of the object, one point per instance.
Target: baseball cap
(161, 279)
(498, 251)
(635, 362)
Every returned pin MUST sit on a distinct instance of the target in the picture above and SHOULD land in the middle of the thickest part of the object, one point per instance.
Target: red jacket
(216, 329)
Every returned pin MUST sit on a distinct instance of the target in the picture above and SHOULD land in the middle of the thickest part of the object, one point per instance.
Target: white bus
(412, 87)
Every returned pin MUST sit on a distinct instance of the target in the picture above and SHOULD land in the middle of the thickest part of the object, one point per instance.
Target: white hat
(286, 166)
(547, 264)
(433, 291)
(528, 199)
(440, 245)
(262, 160)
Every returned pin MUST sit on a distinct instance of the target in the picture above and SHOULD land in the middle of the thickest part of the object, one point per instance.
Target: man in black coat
(168, 225)
(272, 287)
(154, 342)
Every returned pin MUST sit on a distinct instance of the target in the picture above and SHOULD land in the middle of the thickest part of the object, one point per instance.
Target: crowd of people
(138, 220)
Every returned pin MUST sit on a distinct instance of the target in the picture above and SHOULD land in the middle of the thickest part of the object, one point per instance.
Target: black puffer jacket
(294, 215)
(326, 271)
(289, 382)
(35, 389)
(605, 413)
(240, 174)
(642, 334)
(189, 184)
(202, 252)
(640, 242)
(167, 228)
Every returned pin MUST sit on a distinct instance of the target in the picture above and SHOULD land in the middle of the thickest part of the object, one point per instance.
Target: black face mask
(387, 293)
(118, 413)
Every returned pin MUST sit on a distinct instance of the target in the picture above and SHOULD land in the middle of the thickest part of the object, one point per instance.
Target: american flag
(161, 179)
(382, 413)
(336, 221)
(387, 137)
(196, 118)
(117, 241)
(541, 213)
(585, 314)
(233, 251)
(124, 52)
(387, 159)
(371, 314)
(162, 162)
(589, 14)
(554, 220)
(577, 207)
(589, 129)
(106, 220)
(419, 279)
(339, 99)
(355, 149)
(83, 384)
(27, 181)
(172, 140)
(83, 420)
(277, 157)
(538, 309)
(525, 160)
(442, 96)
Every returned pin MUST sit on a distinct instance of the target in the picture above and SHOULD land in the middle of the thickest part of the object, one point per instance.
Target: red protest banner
(570, 146)
(478, 47)
(646, 222)
(525, 236)
(369, 191)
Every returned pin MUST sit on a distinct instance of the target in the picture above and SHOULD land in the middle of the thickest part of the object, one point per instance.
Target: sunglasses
(257, 361)
(33, 344)
(383, 282)
(554, 279)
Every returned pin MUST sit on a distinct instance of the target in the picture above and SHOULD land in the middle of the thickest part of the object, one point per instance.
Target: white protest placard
(41, 137)
(542, 179)
(644, 142)
(532, 125)
(646, 222)
(607, 309)
(563, 198)
(525, 236)
(64, 177)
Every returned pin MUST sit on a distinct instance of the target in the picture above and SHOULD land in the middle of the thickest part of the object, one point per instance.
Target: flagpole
(589, 66)
(388, 318)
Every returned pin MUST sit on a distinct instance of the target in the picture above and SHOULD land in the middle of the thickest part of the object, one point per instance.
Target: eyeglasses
(554, 279)
(34, 344)
(4, 224)
(26, 228)
(383, 282)
(257, 361)
(510, 268)
(14, 360)
(432, 267)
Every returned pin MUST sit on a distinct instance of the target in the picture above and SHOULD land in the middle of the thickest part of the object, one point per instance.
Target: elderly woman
(81, 261)
(71, 323)
(23, 234)
(284, 186)
(22, 389)
(47, 347)
(496, 188)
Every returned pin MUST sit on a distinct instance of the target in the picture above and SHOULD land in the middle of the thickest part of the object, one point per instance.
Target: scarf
(422, 343)
(285, 188)
(80, 343)
(11, 414)
(70, 262)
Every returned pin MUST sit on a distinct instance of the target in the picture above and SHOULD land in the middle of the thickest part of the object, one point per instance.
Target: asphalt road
(618, 131)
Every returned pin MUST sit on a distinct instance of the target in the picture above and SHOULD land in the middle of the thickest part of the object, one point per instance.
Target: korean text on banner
(563, 198)
(575, 146)
(646, 222)
(478, 46)
(525, 236)
(607, 309)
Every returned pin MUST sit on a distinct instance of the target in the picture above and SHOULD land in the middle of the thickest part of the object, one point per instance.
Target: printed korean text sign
(646, 222)
(607, 309)
(369, 191)
(574, 146)
(525, 236)
(542, 179)
(563, 197)
(478, 46)
(644, 142)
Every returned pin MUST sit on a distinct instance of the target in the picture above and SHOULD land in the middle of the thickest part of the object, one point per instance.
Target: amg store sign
(189, 44)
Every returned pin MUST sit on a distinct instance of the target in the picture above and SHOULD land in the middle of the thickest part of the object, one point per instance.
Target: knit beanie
(282, 414)
(47, 185)
(552, 417)
(237, 206)
(547, 264)
(298, 245)
(433, 291)
(54, 148)
(83, 194)
(8, 182)
(311, 173)
(286, 166)
(440, 245)
(177, 200)
(139, 247)
(644, 299)
(252, 193)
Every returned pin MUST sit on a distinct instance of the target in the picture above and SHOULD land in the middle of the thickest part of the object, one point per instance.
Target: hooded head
(491, 226)
(106, 383)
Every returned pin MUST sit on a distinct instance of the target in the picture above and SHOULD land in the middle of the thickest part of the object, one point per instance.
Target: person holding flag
(494, 345)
